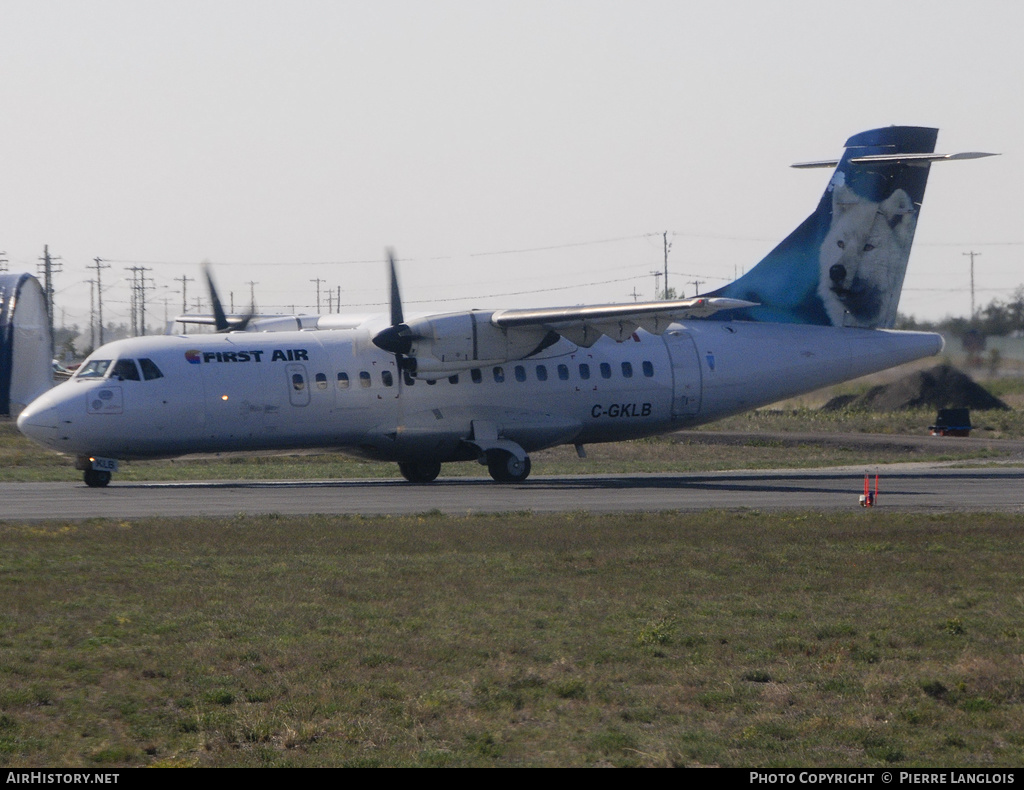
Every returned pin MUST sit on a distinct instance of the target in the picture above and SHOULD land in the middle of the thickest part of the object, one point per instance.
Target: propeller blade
(396, 297)
(220, 320)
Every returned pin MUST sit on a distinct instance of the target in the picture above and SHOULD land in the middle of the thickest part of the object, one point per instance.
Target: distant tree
(911, 324)
(64, 342)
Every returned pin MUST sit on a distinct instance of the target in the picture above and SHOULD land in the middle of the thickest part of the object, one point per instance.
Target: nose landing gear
(96, 478)
(96, 471)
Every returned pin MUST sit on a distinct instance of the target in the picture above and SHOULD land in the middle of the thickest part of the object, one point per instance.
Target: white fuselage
(335, 389)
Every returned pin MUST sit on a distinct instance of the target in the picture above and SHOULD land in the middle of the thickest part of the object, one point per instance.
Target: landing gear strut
(420, 471)
(506, 468)
(96, 478)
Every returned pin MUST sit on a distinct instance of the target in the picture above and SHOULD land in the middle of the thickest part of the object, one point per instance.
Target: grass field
(725, 638)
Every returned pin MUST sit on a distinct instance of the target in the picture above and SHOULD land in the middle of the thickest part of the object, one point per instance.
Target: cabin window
(542, 373)
(627, 370)
(648, 369)
(96, 369)
(520, 372)
(606, 370)
(563, 372)
(343, 381)
(125, 370)
(499, 374)
(584, 370)
(476, 375)
(387, 378)
(149, 370)
(321, 381)
(298, 382)
(364, 379)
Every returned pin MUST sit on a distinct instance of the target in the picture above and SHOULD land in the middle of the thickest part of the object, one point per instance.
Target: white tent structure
(26, 346)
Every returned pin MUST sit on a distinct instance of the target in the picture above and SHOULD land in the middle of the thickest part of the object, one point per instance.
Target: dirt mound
(941, 387)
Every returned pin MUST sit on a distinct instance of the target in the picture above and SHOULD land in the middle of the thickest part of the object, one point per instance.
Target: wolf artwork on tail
(844, 265)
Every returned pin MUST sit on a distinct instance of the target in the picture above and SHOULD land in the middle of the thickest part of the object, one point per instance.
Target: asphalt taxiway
(903, 487)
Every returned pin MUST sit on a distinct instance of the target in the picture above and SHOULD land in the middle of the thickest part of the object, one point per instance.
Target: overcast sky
(514, 154)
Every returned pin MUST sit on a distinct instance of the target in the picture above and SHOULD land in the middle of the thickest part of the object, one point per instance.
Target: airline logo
(196, 357)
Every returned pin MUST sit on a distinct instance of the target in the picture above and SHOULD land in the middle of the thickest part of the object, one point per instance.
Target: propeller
(397, 338)
(220, 319)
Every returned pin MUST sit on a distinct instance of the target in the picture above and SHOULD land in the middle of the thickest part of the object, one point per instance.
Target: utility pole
(664, 238)
(185, 280)
(99, 267)
(696, 285)
(656, 274)
(49, 266)
(252, 295)
(339, 299)
(3, 262)
(317, 280)
(138, 299)
(972, 255)
(92, 315)
(142, 298)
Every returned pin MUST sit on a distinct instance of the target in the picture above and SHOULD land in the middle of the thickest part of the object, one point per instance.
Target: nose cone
(39, 421)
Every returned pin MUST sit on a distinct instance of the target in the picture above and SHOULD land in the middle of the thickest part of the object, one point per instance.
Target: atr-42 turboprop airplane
(494, 386)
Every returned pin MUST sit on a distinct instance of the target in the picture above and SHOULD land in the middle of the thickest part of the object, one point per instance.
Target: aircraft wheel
(96, 478)
(421, 471)
(506, 468)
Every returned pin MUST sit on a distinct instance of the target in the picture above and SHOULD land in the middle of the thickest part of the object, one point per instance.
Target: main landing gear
(507, 468)
(420, 471)
(504, 467)
(96, 478)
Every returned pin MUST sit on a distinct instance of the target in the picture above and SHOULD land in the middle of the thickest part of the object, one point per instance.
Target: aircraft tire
(506, 468)
(421, 471)
(96, 478)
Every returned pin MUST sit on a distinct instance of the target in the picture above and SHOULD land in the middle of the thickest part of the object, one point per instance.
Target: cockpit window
(93, 369)
(125, 370)
(149, 370)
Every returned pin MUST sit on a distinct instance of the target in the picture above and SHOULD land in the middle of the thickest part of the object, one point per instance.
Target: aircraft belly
(442, 432)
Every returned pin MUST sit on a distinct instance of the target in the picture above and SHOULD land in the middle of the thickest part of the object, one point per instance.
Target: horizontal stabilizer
(895, 159)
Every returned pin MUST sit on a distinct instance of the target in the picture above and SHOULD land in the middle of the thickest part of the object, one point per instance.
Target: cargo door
(686, 373)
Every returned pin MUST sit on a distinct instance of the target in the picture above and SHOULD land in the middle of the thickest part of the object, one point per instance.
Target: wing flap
(585, 325)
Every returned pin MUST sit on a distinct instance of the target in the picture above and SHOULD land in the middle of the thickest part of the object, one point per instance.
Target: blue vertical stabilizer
(844, 265)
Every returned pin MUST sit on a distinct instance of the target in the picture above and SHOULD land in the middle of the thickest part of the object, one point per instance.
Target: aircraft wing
(584, 325)
(204, 319)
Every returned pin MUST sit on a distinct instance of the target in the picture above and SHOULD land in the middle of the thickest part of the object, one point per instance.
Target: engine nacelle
(447, 344)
